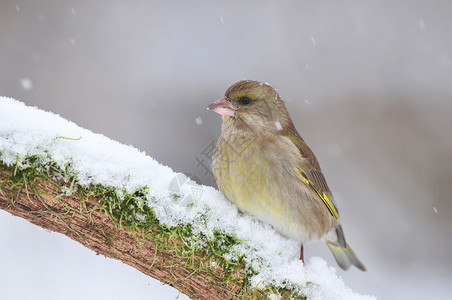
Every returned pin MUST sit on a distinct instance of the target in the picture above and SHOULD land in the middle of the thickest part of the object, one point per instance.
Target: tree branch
(39, 201)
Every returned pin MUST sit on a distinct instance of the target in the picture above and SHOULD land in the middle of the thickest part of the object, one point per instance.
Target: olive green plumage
(262, 164)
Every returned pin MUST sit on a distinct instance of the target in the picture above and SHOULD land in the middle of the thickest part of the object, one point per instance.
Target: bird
(263, 165)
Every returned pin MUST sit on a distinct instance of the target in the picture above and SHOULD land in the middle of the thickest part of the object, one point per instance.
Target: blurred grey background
(368, 84)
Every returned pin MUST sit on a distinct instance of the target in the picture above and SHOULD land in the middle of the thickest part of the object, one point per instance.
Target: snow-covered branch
(123, 204)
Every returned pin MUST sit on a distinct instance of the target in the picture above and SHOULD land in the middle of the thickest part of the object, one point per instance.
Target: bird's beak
(223, 107)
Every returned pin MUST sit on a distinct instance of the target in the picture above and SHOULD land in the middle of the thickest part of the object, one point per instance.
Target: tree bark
(39, 202)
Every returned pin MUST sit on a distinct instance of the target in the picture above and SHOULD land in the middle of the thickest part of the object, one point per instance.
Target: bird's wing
(311, 174)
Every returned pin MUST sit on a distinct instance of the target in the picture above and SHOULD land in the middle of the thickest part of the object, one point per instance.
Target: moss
(130, 211)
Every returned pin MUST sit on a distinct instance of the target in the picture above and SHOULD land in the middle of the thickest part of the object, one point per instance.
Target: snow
(96, 159)
(421, 24)
(313, 41)
(26, 84)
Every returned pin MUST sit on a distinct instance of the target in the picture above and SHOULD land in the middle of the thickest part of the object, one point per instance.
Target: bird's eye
(245, 100)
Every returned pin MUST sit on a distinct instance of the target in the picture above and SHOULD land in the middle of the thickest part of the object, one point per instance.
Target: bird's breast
(259, 177)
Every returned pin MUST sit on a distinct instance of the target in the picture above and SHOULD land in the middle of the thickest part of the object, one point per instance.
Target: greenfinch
(263, 165)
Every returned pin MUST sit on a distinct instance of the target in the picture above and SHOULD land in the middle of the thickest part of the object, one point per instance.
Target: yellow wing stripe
(329, 205)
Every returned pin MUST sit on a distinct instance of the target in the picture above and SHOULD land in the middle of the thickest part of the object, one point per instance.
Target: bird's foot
(301, 254)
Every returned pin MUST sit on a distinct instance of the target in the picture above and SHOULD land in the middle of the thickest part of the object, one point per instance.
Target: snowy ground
(97, 159)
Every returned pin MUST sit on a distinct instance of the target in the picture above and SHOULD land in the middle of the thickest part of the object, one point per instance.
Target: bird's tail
(342, 252)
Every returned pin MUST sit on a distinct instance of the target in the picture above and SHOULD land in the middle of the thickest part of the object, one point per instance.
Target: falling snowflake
(26, 84)
(313, 40)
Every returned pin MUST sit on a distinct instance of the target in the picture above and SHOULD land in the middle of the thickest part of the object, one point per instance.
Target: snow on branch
(121, 203)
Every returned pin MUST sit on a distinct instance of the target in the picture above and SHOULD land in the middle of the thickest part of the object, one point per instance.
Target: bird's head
(252, 105)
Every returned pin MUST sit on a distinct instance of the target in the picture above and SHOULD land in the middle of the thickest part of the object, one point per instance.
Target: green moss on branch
(174, 248)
